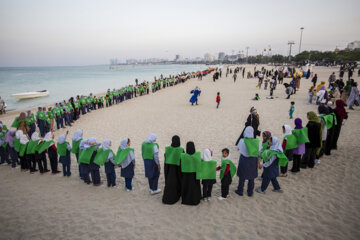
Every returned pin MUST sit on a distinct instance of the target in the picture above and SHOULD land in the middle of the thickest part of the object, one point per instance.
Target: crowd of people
(185, 169)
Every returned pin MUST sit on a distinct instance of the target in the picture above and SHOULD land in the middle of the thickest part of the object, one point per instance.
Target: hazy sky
(86, 32)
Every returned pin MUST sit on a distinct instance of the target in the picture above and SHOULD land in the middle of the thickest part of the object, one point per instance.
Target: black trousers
(296, 163)
(225, 184)
(31, 162)
(41, 159)
(308, 159)
(207, 187)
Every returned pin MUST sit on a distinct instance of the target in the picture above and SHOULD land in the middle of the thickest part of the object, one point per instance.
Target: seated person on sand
(256, 98)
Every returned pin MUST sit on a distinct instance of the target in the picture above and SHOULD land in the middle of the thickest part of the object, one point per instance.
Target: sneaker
(258, 190)
(156, 191)
(221, 198)
(278, 190)
(317, 161)
(205, 199)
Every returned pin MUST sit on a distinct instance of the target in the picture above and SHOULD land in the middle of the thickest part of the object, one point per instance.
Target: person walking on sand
(234, 76)
(194, 99)
(218, 100)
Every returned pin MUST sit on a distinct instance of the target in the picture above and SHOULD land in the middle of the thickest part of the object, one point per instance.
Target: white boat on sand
(27, 95)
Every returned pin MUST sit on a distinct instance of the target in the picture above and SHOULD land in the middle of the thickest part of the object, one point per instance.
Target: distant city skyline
(90, 32)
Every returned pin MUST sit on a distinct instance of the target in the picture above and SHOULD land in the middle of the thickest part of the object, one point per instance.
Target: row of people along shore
(65, 113)
(185, 169)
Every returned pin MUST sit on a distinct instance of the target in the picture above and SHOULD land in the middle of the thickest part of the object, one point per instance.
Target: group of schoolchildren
(184, 169)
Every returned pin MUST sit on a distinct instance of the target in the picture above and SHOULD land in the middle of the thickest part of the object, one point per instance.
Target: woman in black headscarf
(172, 191)
(253, 121)
(190, 186)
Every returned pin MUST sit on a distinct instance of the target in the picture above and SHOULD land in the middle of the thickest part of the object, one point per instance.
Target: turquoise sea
(65, 82)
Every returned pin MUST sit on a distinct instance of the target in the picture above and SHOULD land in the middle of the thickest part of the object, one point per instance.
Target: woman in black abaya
(190, 186)
(172, 169)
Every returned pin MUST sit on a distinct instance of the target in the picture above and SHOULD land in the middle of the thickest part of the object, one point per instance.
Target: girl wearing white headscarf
(207, 183)
(288, 146)
(271, 168)
(63, 149)
(93, 167)
(24, 139)
(109, 164)
(43, 147)
(248, 165)
(30, 151)
(76, 140)
(150, 154)
(84, 168)
(127, 164)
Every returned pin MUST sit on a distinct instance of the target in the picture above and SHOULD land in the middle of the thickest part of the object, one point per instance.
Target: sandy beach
(319, 203)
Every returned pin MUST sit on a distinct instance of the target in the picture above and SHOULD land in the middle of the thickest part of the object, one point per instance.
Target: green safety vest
(57, 111)
(301, 135)
(40, 115)
(62, 149)
(101, 156)
(23, 149)
(207, 170)
(75, 146)
(85, 155)
(147, 150)
(223, 168)
(267, 154)
(329, 120)
(252, 145)
(122, 154)
(50, 114)
(190, 163)
(30, 119)
(32, 145)
(16, 123)
(2, 136)
(290, 142)
(16, 144)
(173, 154)
(44, 146)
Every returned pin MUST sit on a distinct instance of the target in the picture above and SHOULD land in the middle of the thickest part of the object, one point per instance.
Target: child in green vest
(126, 158)
(273, 157)
(40, 119)
(76, 139)
(150, 155)
(208, 182)
(63, 149)
(289, 143)
(30, 151)
(227, 172)
(109, 163)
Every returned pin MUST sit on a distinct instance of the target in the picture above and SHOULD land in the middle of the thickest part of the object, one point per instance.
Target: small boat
(27, 95)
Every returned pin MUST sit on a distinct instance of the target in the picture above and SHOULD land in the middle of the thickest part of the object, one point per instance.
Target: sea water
(66, 82)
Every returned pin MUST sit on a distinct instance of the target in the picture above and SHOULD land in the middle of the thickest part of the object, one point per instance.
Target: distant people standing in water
(252, 120)
(196, 92)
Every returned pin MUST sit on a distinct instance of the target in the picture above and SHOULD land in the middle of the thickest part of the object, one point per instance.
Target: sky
(90, 32)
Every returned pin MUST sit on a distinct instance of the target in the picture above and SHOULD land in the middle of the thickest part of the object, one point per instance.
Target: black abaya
(190, 189)
(172, 191)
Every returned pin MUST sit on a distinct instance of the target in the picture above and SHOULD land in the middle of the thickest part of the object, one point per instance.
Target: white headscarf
(287, 130)
(48, 136)
(206, 155)
(1, 125)
(90, 140)
(82, 144)
(124, 143)
(249, 132)
(77, 135)
(35, 136)
(151, 138)
(106, 144)
(227, 158)
(276, 145)
(62, 138)
(19, 133)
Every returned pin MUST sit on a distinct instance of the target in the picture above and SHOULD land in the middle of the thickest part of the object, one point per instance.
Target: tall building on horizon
(221, 56)
(208, 57)
(355, 45)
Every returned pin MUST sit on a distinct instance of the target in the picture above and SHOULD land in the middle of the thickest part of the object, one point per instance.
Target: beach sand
(319, 203)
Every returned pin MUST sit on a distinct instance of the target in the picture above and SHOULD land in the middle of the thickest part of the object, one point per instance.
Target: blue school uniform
(110, 171)
(270, 174)
(66, 163)
(94, 170)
